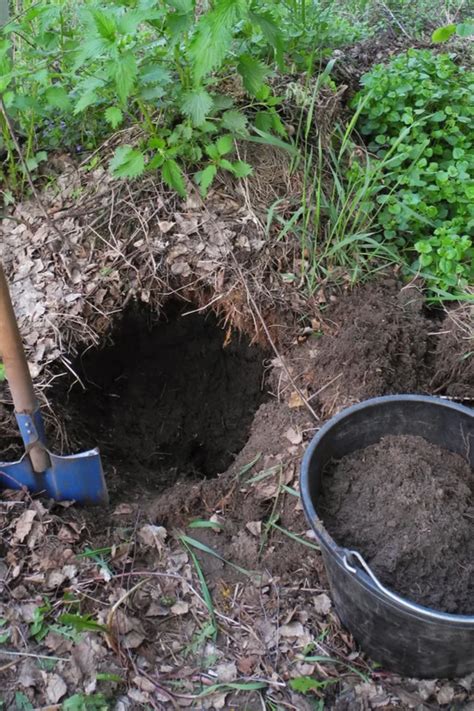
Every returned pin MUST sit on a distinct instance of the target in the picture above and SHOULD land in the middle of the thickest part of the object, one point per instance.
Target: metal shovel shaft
(17, 372)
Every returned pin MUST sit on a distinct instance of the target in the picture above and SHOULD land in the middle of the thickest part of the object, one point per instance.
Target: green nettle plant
(419, 110)
(98, 68)
(186, 73)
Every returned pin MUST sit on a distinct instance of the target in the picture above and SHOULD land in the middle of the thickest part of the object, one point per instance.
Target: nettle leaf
(214, 35)
(304, 684)
(204, 178)
(209, 47)
(271, 33)
(104, 24)
(225, 144)
(156, 161)
(83, 702)
(222, 102)
(127, 162)
(124, 72)
(22, 702)
(154, 74)
(81, 623)
(235, 121)
(91, 48)
(263, 121)
(127, 24)
(177, 24)
(442, 34)
(253, 72)
(181, 6)
(212, 151)
(87, 93)
(197, 104)
(241, 169)
(88, 99)
(149, 93)
(58, 97)
(173, 176)
(33, 162)
(113, 116)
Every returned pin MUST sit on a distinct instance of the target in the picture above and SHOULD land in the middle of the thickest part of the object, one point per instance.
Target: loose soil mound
(407, 506)
(375, 341)
(380, 339)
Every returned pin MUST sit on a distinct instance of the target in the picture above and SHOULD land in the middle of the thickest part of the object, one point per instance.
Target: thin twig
(34, 656)
(318, 392)
(9, 665)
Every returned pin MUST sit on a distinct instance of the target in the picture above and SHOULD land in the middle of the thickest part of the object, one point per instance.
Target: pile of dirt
(408, 507)
(372, 341)
(380, 339)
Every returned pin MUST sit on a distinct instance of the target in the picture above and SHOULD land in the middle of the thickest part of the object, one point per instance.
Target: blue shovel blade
(77, 477)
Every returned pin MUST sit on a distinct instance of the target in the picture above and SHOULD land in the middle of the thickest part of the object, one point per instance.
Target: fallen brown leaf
(23, 526)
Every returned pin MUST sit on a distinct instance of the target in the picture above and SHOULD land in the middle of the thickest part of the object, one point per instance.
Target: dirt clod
(408, 507)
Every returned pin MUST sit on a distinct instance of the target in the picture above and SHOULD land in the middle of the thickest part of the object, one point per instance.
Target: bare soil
(380, 339)
(408, 507)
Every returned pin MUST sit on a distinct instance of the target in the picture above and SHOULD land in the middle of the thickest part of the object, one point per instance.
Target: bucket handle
(406, 604)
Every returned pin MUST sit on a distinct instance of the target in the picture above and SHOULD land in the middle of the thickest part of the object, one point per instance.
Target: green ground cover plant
(419, 109)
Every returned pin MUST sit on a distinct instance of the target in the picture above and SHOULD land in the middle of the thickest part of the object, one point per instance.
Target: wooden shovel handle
(16, 369)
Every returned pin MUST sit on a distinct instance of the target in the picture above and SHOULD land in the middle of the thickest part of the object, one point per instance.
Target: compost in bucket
(408, 507)
(168, 398)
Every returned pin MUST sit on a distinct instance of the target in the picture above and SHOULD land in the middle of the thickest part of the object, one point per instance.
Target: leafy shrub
(141, 62)
(71, 73)
(417, 114)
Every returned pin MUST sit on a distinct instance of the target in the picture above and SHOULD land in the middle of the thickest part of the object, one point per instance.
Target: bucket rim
(341, 554)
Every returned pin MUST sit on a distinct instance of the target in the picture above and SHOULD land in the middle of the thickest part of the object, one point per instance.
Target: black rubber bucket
(404, 637)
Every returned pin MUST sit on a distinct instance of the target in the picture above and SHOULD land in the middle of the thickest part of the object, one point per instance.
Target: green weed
(22, 702)
(208, 631)
(86, 702)
(320, 659)
(307, 684)
(294, 536)
(194, 543)
(113, 64)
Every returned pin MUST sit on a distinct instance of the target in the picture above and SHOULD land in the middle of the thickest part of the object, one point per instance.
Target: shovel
(78, 477)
